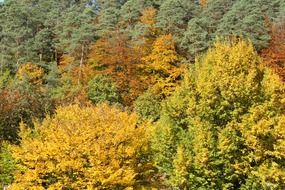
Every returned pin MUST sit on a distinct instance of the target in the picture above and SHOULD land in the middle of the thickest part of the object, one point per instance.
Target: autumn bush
(82, 148)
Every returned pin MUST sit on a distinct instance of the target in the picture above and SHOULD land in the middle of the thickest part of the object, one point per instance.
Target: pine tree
(245, 20)
(108, 17)
(74, 36)
(212, 14)
(173, 15)
(17, 29)
(195, 40)
(131, 11)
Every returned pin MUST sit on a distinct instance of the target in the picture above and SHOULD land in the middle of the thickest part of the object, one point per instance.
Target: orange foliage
(148, 16)
(69, 69)
(117, 58)
(203, 3)
(148, 19)
(274, 55)
(73, 86)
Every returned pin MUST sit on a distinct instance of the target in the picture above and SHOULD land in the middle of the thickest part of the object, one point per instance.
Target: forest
(142, 94)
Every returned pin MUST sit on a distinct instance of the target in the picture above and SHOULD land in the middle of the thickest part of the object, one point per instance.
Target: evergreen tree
(131, 11)
(212, 14)
(282, 10)
(195, 40)
(173, 15)
(245, 20)
(76, 32)
(270, 8)
(108, 16)
(17, 29)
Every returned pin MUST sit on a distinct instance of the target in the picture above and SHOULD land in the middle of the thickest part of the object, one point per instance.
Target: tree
(82, 148)
(174, 15)
(116, 57)
(195, 40)
(148, 105)
(145, 32)
(270, 8)
(131, 11)
(245, 20)
(108, 17)
(7, 166)
(44, 46)
(101, 88)
(282, 10)
(163, 66)
(212, 14)
(222, 128)
(31, 73)
(21, 101)
(63, 77)
(23, 97)
(163, 57)
(31, 31)
(274, 55)
(17, 29)
(203, 3)
(75, 37)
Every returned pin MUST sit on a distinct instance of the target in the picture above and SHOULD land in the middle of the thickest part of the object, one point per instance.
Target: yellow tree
(30, 72)
(163, 58)
(81, 148)
(224, 128)
(148, 18)
(162, 64)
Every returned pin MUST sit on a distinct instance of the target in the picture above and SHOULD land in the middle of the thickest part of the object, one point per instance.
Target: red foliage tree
(274, 55)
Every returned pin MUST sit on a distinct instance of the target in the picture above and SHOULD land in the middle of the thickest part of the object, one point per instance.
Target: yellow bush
(81, 148)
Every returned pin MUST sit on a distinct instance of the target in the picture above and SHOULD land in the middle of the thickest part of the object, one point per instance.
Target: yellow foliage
(81, 148)
(163, 57)
(148, 18)
(30, 72)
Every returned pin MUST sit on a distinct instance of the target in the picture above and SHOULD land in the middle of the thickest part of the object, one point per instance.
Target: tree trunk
(81, 65)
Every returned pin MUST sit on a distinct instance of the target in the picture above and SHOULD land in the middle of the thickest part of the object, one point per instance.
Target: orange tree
(274, 55)
(116, 57)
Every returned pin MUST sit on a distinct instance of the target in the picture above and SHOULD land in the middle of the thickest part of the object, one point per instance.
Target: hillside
(142, 94)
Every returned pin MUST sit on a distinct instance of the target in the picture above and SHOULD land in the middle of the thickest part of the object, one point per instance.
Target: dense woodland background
(142, 94)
